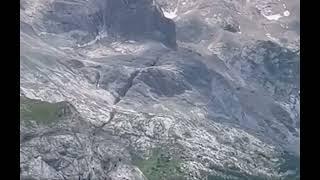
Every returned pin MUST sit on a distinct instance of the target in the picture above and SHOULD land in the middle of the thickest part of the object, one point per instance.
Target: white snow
(274, 17)
(284, 6)
(100, 36)
(170, 15)
(240, 30)
(65, 48)
(273, 38)
(286, 13)
(44, 33)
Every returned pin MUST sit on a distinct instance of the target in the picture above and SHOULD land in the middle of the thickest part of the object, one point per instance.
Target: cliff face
(85, 20)
(142, 89)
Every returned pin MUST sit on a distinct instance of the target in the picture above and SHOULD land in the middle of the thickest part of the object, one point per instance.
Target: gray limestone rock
(159, 89)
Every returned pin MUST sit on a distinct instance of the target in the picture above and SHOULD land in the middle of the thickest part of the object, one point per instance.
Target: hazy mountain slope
(159, 89)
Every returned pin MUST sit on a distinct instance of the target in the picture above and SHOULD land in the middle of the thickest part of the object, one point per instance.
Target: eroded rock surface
(159, 89)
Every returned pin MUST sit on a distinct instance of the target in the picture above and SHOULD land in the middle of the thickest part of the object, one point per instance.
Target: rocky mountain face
(159, 89)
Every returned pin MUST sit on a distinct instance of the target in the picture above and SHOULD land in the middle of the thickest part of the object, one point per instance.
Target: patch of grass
(160, 166)
(289, 163)
(232, 174)
(238, 177)
(38, 111)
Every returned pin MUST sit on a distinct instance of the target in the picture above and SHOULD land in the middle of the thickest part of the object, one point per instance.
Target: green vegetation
(233, 175)
(239, 177)
(289, 163)
(160, 166)
(41, 112)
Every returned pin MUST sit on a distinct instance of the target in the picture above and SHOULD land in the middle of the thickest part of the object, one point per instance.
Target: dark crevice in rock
(155, 62)
(27, 137)
(124, 90)
(98, 80)
(111, 117)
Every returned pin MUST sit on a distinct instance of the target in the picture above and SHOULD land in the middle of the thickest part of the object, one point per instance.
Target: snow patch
(240, 30)
(284, 6)
(274, 17)
(100, 36)
(170, 15)
(42, 33)
(286, 13)
(273, 38)
(65, 48)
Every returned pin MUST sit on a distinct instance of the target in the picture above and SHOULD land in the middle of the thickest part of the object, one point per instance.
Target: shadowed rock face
(133, 19)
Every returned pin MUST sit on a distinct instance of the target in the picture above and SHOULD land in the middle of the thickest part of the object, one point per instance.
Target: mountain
(159, 89)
